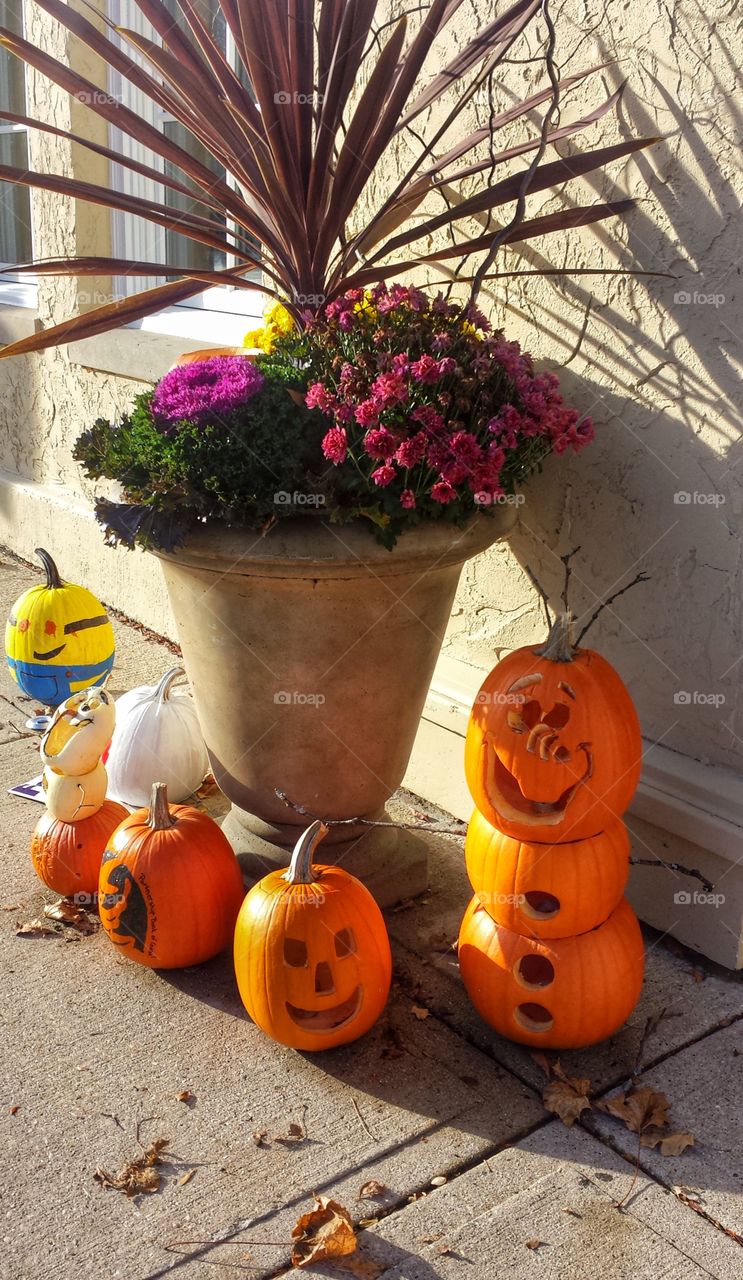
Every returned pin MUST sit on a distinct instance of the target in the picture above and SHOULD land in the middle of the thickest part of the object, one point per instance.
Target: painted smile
(508, 799)
(326, 1019)
(49, 654)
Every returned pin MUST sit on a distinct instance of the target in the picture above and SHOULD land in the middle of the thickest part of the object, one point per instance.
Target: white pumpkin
(72, 797)
(157, 739)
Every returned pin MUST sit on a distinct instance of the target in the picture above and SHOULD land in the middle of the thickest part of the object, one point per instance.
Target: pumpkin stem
(167, 682)
(300, 869)
(559, 646)
(160, 817)
(53, 580)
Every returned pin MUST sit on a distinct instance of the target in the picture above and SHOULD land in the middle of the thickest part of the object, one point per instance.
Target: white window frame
(221, 314)
(15, 290)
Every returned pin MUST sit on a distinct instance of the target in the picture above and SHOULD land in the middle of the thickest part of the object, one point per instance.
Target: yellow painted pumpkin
(561, 993)
(312, 956)
(79, 733)
(58, 638)
(553, 744)
(547, 890)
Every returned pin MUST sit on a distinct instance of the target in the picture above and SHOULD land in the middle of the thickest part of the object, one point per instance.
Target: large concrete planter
(310, 652)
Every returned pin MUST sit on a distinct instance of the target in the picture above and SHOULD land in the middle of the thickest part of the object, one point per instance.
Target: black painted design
(131, 924)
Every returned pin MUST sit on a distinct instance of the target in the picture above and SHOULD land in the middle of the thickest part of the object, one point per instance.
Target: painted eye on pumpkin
(345, 943)
(295, 953)
(71, 628)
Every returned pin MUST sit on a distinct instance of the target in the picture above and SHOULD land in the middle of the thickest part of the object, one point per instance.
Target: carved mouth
(508, 799)
(326, 1019)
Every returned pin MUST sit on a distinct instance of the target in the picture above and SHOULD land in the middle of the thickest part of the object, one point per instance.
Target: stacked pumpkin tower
(550, 951)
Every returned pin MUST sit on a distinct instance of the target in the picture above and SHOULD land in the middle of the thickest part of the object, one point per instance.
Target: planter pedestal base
(393, 864)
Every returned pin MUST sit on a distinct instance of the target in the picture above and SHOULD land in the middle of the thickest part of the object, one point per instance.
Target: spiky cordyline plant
(303, 146)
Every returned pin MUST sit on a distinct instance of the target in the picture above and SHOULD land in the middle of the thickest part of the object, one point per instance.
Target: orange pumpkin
(170, 886)
(553, 743)
(67, 855)
(559, 994)
(312, 956)
(547, 890)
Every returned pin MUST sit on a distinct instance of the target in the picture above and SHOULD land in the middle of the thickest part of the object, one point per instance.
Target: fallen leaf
(671, 1144)
(430, 1239)
(567, 1099)
(419, 1013)
(372, 1190)
(14, 1109)
(186, 1096)
(438, 1181)
(69, 913)
(186, 1177)
(534, 1244)
(698, 975)
(259, 1137)
(136, 1177)
(639, 1109)
(36, 929)
(363, 1267)
(326, 1232)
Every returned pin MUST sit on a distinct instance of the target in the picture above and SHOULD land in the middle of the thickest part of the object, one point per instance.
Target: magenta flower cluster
(429, 402)
(205, 390)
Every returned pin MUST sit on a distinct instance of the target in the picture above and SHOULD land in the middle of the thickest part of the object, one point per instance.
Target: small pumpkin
(547, 890)
(72, 797)
(170, 885)
(58, 638)
(553, 743)
(312, 956)
(157, 738)
(79, 732)
(564, 993)
(67, 855)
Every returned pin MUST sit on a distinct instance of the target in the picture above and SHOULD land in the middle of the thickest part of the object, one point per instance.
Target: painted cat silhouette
(131, 924)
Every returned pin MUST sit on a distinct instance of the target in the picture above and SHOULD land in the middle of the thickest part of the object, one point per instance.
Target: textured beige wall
(658, 372)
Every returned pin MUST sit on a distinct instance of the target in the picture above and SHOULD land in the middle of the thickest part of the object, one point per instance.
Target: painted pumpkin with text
(312, 956)
(170, 886)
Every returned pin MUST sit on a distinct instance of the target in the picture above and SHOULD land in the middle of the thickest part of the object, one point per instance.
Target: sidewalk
(95, 1047)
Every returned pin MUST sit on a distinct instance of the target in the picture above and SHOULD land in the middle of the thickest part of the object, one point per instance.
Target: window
(134, 237)
(15, 204)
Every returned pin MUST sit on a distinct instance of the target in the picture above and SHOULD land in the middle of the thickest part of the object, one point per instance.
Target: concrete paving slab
(427, 964)
(705, 1087)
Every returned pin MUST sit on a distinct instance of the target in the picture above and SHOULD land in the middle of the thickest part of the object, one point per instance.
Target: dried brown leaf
(640, 1109)
(66, 912)
(567, 1099)
(325, 1233)
(372, 1190)
(420, 1013)
(36, 929)
(186, 1096)
(534, 1244)
(14, 1109)
(139, 1176)
(671, 1144)
(186, 1177)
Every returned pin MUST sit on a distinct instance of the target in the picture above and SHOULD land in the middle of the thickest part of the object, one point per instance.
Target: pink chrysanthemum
(335, 445)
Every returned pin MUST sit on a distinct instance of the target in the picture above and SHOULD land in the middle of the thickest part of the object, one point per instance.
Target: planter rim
(308, 546)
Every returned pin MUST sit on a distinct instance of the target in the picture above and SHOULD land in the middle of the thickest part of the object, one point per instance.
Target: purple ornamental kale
(205, 389)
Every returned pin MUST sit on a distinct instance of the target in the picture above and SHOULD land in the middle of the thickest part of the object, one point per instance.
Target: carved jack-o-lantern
(79, 732)
(553, 743)
(312, 956)
(547, 890)
(560, 994)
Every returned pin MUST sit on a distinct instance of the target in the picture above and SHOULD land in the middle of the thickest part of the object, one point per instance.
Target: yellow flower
(278, 321)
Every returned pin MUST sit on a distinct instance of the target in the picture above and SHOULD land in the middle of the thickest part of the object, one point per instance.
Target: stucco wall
(654, 359)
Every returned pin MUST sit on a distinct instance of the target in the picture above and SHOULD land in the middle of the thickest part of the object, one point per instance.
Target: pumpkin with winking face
(553, 745)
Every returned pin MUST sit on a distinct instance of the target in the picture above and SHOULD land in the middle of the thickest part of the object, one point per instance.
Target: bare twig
(566, 564)
(651, 1026)
(641, 577)
(674, 866)
(460, 831)
(541, 593)
(362, 1121)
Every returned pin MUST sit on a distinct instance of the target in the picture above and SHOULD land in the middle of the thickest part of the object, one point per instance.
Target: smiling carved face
(553, 748)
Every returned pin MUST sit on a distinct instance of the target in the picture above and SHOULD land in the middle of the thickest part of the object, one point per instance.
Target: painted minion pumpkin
(58, 639)
(553, 745)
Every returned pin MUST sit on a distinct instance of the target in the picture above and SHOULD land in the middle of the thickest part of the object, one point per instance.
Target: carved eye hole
(558, 717)
(295, 953)
(345, 943)
(531, 713)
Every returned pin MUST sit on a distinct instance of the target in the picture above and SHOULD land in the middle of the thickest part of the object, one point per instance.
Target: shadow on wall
(655, 361)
